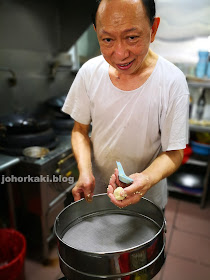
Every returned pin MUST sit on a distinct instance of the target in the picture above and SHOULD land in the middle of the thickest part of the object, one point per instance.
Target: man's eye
(132, 37)
(107, 40)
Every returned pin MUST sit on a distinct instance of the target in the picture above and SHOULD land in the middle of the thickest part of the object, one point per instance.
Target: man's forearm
(164, 165)
(82, 147)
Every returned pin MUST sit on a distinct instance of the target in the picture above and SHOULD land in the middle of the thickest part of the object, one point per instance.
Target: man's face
(124, 33)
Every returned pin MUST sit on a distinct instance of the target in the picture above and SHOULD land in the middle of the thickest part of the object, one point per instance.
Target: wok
(55, 104)
(29, 139)
(189, 176)
(18, 123)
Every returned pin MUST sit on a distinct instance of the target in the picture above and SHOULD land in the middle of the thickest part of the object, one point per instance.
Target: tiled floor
(188, 241)
(187, 249)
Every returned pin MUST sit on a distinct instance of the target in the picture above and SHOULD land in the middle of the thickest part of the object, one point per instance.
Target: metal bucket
(98, 240)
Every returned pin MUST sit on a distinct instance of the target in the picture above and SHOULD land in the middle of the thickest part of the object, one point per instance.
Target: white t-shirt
(132, 127)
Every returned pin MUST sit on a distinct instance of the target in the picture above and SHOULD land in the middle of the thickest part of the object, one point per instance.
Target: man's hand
(84, 188)
(163, 166)
(82, 151)
(134, 192)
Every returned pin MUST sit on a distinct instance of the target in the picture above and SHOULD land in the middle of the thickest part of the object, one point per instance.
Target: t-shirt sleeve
(175, 122)
(77, 103)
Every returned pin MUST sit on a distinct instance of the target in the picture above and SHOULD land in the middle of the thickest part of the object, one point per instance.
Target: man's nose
(121, 51)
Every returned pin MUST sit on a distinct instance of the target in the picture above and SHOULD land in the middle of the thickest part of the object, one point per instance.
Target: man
(137, 103)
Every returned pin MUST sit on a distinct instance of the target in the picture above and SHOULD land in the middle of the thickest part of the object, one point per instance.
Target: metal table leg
(205, 185)
(11, 201)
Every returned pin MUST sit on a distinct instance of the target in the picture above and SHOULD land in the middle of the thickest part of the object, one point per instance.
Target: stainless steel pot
(98, 240)
(35, 152)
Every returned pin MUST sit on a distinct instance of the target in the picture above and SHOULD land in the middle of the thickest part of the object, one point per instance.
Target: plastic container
(201, 105)
(12, 254)
(187, 154)
(208, 68)
(199, 148)
(202, 64)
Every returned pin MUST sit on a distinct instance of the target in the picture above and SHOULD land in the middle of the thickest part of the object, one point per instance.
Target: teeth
(125, 64)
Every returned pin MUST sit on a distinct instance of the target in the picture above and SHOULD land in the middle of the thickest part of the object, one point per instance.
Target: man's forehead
(121, 1)
(117, 4)
(116, 10)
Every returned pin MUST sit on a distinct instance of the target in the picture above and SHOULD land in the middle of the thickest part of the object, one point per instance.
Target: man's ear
(154, 28)
(94, 27)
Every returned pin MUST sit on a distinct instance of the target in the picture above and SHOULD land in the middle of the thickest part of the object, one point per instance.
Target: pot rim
(130, 249)
(120, 274)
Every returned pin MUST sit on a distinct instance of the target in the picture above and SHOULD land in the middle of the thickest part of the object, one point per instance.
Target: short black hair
(148, 4)
(94, 12)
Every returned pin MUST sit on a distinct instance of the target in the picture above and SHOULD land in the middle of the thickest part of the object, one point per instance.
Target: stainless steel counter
(7, 161)
(64, 144)
(50, 192)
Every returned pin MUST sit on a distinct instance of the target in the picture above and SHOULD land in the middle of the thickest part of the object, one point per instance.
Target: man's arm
(82, 151)
(163, 166)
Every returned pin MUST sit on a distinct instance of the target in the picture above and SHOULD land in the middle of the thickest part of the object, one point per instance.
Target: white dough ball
(117, 194)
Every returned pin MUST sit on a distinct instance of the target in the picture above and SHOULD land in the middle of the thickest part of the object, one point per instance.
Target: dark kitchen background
(33, 37)
(42, 46)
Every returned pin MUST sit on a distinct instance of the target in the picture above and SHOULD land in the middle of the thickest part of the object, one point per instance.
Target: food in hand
(119, 193)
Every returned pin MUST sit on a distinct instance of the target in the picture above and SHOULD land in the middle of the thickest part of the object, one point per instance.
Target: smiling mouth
(125, 66)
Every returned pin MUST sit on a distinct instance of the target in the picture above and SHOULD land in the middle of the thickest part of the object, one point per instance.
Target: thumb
(88, 193)
(132, 189)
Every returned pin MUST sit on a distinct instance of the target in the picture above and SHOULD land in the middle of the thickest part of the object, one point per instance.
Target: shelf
(7, 161)
(196, 162)
(198, 159)
(192, 178)
(199, 128)
(197, 82)
(173, 188)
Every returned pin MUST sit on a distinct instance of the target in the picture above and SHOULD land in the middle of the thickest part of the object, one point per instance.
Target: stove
(41, 189)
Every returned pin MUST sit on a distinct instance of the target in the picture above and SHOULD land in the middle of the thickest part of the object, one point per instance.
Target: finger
(112, 181)
(110, 189)
(126, 202)
(130, 200)
(114, 201)
(88, 194)
(118, 182)
(118, 203)
(124, 193)
(76, 194)
(89, 198)
(134, 189)
(116, 173)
